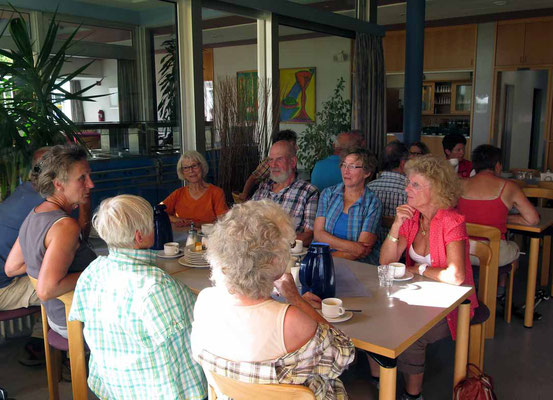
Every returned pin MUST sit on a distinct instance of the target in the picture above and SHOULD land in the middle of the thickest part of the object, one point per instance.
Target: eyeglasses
(415, 153)
(350, 167)
(414, 185)
(191, 167)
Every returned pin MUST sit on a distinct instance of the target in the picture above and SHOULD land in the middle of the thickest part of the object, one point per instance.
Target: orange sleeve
(171, 201)
(219, 201)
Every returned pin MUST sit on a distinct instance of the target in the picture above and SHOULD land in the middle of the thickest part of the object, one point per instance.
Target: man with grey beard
(298, 197)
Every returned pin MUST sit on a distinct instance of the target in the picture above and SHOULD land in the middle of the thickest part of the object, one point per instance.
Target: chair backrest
(538, 193)
(484, 253)
(245, 391)
(493, 235)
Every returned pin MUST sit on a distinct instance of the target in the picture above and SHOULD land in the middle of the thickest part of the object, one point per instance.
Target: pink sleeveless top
(491, 212)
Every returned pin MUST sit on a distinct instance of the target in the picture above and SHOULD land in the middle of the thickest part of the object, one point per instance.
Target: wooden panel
(394, 51)
(449, 48)
(537, 43)
(208, 64)
(509, 48)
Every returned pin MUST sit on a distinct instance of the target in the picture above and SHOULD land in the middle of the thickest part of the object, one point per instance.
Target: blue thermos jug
(162, 227)
(317, 271)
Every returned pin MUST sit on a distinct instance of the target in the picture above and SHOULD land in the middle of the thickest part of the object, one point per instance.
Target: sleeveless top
(31, 238)
(238, 333)
(492, 212)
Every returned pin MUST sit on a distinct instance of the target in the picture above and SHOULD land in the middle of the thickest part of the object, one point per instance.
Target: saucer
(407, 277)
(161, 254)
(301, 253)
(342, 318)
(186, 263)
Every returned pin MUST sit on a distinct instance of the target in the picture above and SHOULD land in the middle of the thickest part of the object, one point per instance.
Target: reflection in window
(95, 34)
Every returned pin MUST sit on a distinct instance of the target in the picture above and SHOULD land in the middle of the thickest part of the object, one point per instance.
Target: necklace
(423, 231)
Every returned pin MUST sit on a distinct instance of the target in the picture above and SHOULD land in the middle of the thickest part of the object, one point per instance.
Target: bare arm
(248, 188)
(346, 248)
(62, 242)
(455, 271)
(528, 213)
(84, 218)
(391, 251)
(15, 263)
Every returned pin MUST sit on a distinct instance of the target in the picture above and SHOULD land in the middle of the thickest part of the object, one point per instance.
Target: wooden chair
(245, 391)
(545, 184)
(477, 334)
(20, 315)
(488, 290)
(74, 344)
(542, 195)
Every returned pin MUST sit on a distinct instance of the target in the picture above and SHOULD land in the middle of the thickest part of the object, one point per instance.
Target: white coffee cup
(298, 247)
(207, 229)
(332, 307)
(171, 248)
(398, 268)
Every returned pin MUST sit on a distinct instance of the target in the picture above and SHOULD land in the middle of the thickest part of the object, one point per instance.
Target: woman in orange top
(198, 202)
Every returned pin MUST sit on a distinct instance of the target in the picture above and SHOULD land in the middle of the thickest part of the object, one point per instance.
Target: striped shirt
(317, 365)
(137, 324)
(299, 200)
(363, 215)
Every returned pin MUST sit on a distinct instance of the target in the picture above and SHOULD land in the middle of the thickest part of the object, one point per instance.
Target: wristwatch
(422, 268)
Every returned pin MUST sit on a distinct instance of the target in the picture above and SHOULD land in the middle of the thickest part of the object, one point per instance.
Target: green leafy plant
(167, 106)
(316, 141)
(31, 88)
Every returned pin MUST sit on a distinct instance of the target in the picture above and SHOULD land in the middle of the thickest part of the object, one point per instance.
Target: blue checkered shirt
(137, 323)
(299, 200)
(390, 189)
(363, 215)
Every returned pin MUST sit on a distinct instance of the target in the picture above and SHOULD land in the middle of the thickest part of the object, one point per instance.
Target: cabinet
(446, 97)
(394, 51)
(461, 97)
(524, 43)
(449, 48)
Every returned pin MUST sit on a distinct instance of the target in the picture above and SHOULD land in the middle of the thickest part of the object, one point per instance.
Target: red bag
(476, 386)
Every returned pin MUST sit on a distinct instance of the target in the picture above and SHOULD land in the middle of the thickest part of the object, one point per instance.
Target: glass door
(427, 97)
(462, 97)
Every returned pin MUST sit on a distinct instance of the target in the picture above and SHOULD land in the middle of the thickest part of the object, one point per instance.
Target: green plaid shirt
(137, 323)
(317, 365)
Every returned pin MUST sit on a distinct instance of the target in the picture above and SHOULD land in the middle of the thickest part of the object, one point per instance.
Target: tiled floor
(518, 359)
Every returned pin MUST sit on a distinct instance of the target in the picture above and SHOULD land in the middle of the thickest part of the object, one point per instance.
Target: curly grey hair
(55, 163)
(250, 247)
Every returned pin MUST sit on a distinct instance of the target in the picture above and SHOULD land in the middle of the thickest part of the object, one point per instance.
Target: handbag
(476, 386)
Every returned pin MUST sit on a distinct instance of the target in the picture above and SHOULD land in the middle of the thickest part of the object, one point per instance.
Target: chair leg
(509, 295)
(53, 362)
(476, 345)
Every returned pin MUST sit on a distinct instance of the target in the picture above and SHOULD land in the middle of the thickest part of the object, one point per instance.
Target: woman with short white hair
(237, 321)
(137, 319)
(197, 202)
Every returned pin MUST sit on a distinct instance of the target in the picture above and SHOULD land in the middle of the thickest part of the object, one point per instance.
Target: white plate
(407, 277)
(343, 318)
(301, 253)
(182, 261)
(161, 254)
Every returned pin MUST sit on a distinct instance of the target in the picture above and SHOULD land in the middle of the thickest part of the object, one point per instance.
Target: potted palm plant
(31, 87)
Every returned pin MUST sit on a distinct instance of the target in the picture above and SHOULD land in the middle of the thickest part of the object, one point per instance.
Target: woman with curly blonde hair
(434, 238)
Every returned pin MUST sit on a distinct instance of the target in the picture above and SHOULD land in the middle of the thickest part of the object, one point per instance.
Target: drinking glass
(385, 275)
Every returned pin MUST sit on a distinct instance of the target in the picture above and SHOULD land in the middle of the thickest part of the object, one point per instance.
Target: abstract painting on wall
(247, 93)
(297, 95)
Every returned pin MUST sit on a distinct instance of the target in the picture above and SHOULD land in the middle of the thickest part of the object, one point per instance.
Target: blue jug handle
(306, 274)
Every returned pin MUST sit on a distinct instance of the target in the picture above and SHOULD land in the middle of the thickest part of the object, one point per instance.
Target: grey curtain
(369, 91)
(77, 112)
(127, 88)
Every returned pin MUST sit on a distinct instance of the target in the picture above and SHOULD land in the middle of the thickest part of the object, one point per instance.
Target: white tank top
(418, 258)
(238, 333)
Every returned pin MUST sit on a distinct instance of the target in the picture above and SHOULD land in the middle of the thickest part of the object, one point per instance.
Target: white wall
(316, 53)
(109, 72)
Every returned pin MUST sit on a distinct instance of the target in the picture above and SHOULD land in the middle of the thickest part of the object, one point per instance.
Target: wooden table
(387, 325)
(536, 232)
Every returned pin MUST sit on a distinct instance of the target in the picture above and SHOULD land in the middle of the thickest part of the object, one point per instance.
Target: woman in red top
(487, 199)
(434, 238)
(454, 149)
(198, 202)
